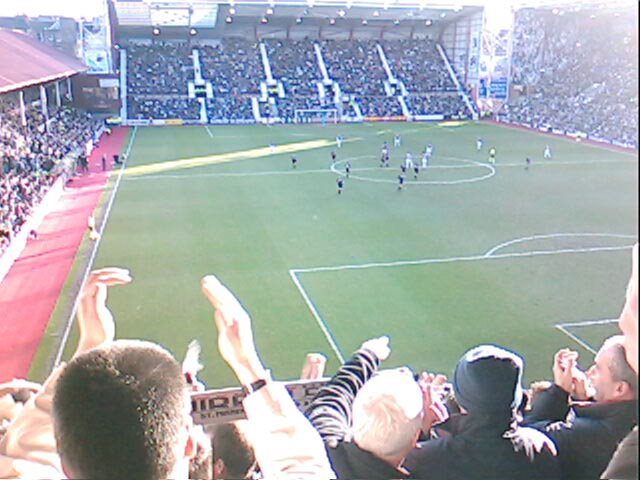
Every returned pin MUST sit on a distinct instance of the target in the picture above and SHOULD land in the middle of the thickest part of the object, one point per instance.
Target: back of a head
(119, 412)
(387, 414)
(618, 366)
(233, 455)
(487, 381)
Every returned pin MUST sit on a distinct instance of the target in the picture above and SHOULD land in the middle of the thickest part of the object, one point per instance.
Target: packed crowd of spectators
(234, 68)
(230, 108)
(120, 409)
(163, 107)
(159, 68)
(355, 65)
(418, 65)
(159, 74)
(451, 105)
(30, 155)
(294, 62)
(575, 75)
(380, 106)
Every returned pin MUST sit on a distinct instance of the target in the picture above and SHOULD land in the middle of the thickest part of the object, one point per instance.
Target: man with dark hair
(485, 441)
(233, 456)
(586, 433)
(134, 420)
(28, 449)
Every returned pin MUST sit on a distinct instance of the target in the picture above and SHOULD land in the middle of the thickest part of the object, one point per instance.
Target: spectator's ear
(623, 390)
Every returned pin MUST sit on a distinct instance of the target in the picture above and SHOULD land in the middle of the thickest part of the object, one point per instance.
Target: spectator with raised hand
(284, 442)
(313, 368)
(369, 419)
(485, 440)
(624, 463)
(28, 449)
(587, 433)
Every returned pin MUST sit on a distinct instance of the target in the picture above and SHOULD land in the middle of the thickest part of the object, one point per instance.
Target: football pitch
(532, 259)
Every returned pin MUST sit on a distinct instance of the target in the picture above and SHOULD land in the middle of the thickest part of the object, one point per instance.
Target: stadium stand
(419, 65)
(157, 78)
(235, 70)
(32, 156)
(574, 75)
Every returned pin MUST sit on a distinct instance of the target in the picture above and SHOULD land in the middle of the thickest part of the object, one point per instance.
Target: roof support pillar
(23, 112)
(69, 89)
(58, 100)
(43, 102)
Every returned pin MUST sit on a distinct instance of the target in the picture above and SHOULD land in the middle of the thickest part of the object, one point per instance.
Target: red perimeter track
(31, 289)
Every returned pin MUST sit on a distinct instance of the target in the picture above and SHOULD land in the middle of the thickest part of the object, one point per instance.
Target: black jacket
(475, 448)
(624, 464)
(330, 413)
(586, 434)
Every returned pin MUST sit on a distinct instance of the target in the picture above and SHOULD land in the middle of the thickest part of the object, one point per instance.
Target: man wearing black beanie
(485, 440)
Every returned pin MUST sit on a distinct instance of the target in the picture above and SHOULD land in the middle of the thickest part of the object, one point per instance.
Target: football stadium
(418, 218)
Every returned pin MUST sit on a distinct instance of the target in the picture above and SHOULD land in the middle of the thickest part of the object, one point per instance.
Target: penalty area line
(319, 320)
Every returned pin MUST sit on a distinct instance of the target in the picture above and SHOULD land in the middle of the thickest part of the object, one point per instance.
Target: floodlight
(155, 31)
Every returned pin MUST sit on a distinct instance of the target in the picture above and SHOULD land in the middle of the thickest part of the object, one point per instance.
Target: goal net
(329, 115)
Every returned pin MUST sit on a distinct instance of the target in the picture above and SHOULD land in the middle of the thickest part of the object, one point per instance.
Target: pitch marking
(490, 255)
(94, 251)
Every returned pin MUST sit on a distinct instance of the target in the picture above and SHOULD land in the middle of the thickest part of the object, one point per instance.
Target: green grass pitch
(411, 264)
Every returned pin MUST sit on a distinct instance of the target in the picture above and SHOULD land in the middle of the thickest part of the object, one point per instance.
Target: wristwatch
(253, 387)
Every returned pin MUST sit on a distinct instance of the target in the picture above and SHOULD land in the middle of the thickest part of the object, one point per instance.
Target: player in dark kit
(403, 168)
(384, 155)
(416, 171)
(400, 181)
(333, 156)
(294, 162)
(340, 183)
(104, 163)
(347, 169)
(527, 162)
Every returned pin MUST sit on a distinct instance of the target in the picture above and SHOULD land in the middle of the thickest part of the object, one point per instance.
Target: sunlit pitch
(186, 163)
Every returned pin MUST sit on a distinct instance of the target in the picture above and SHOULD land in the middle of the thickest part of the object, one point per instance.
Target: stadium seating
(157, 79)
(419, 65)
(29, 158)
(235, 70)
(574, 75)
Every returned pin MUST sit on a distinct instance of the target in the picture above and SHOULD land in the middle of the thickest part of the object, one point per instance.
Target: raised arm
(285, 443)
(330, 410)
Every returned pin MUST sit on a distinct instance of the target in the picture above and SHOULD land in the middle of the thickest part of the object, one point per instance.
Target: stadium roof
(24, 62)
(205, 13)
